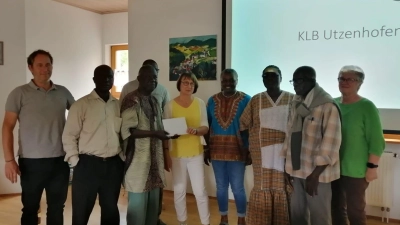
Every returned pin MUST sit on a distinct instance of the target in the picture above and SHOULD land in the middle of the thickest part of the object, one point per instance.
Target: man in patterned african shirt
(142, 133)
(227, 146)
(266, 118)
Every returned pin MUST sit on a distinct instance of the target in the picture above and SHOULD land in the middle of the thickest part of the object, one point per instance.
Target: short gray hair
(355, 69)
(231, 72)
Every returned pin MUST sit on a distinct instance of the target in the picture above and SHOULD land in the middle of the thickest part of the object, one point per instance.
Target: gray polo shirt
(160, 92)
(41, 117)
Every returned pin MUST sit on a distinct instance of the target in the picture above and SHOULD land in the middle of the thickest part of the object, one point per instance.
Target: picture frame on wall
(1, 53)
(196, 54)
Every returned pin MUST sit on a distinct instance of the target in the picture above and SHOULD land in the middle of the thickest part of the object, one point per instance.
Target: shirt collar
(94, 95)
(34, 86)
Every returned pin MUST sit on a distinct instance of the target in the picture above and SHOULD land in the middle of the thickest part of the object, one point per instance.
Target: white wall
(115, 32)
(153, 22)
(12, 73)
(74, 38)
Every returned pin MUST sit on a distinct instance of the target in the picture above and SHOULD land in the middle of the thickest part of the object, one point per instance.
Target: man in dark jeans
(91, 141)
(39, 107)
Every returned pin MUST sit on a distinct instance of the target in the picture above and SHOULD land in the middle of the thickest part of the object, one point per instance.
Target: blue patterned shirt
(226, 141)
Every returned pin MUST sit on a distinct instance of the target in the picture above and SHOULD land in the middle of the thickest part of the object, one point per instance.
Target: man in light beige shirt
(91, 142)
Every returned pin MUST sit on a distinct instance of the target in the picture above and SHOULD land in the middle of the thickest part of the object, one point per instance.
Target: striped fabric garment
(269, 198)
(320, 145)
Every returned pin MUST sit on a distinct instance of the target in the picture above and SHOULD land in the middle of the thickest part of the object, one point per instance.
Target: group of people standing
(312, 155)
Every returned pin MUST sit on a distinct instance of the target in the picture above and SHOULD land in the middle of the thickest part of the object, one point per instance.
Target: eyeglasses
(273, 74)
(299, 80)
(347, 80)
(186, 83)
(270, 75)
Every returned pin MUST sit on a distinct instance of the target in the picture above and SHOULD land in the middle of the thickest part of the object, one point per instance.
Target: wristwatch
(371, 165)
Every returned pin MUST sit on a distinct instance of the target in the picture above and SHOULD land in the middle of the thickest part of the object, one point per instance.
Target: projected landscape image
(193, 54)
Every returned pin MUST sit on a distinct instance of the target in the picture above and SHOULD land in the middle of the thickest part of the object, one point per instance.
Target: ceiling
(99, 6)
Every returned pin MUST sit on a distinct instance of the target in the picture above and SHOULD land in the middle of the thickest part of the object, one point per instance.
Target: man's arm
(207, 153)
(13, 108)
(246, 119)
(71, 134)
(245, 123)
(244, 151)
(70, 99)
(328, 153)
(11, 167)
(209, 110)
(167, 157)
(130, 122)
(288, 133)
(245, 133)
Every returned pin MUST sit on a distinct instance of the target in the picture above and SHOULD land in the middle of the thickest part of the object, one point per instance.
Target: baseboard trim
(391, 220)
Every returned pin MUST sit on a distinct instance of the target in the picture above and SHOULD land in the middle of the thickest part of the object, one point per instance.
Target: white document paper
(175, 126)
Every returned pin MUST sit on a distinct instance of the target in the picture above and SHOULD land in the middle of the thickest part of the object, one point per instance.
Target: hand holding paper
(162, 135)
(191, 130)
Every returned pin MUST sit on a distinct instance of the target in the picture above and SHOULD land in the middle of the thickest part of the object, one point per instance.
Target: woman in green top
(362, 146)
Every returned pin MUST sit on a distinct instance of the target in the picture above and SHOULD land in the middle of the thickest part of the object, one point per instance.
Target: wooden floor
(10, 211)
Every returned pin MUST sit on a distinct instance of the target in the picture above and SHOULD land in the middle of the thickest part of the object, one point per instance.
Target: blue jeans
(230, 172)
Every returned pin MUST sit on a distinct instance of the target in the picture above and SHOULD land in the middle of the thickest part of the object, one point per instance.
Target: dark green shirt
(362, 135)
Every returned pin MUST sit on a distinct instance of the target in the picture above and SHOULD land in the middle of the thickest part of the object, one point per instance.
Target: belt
(100, 158)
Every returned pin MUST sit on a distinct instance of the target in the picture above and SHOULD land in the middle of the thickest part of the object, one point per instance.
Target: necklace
(228, 96)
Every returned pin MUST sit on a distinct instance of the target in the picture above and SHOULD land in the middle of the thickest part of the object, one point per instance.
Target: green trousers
(143, 208)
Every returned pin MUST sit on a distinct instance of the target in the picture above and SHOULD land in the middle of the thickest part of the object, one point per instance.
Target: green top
(361, 136)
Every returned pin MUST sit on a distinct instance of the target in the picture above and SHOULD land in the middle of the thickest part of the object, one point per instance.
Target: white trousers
(194, 166)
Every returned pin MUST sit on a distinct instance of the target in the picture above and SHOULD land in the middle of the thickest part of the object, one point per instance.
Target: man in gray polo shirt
(39, 107)
(162, 96)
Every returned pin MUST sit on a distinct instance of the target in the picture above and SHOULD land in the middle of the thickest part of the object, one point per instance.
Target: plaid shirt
(320, 144)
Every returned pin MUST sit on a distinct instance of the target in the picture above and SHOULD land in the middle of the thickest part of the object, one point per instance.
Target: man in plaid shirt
(311, 149)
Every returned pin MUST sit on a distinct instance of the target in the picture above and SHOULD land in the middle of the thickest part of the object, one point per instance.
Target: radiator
(380, 192)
